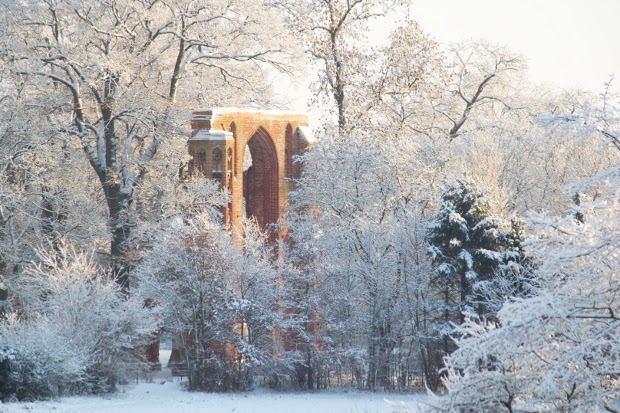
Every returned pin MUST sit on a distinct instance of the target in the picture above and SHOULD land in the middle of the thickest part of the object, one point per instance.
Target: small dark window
(201, 161)
(217, 163)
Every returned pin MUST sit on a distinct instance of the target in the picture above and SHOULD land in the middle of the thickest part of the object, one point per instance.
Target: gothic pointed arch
(216, 159)
(233, 129)
(261, 180)
(288, 151)
(257, 178)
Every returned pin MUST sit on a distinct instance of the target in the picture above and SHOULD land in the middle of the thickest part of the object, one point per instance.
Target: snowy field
(170, 397)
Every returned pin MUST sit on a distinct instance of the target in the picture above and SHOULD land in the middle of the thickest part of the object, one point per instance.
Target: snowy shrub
(40, 363)
(219, 300)
(74, 332)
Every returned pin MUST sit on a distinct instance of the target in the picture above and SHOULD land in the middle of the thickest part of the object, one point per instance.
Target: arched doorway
(260, 181)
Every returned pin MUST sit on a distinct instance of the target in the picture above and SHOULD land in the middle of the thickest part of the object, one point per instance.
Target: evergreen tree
(473, 251)
(556, 351)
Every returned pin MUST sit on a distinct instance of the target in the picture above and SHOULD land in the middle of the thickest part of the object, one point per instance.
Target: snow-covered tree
(557, 350)
(223, 302)
(526, 155)
(356, 226)
(470, 247)
(75, 331)
(480, 74)
(334, 34)
(116, 70)
(34, 200)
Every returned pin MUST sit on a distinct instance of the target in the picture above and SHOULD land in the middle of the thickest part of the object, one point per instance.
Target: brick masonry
(217, 146)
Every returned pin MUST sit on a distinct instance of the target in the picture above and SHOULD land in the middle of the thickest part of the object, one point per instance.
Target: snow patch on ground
(171, 397)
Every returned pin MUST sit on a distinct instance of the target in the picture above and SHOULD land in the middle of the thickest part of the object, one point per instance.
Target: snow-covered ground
(170, 397)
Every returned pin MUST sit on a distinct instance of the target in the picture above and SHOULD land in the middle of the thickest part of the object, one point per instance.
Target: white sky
(569, 43)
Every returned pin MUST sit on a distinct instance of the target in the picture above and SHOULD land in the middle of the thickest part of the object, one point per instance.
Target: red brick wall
(270, 137)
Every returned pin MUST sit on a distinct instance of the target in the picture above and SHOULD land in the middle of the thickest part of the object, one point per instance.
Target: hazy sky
(567, 43)
(572, 43)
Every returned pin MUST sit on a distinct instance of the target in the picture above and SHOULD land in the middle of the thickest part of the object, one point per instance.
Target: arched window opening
(201, 162)
(260, 181)
(229, 166)
(247, 164)
(233, 130)
(288, 151)
(217, 163)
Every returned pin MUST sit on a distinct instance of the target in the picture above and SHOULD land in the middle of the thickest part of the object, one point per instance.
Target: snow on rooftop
(212, 135)
(306, 133)
(249, 110)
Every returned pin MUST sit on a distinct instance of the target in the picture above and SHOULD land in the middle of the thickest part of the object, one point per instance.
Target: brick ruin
(258, 181)
(251, 153)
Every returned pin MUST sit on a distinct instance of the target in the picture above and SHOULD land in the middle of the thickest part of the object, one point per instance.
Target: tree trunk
(118, 200)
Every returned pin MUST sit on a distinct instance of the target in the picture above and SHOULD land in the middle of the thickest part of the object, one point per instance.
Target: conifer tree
(470, 247)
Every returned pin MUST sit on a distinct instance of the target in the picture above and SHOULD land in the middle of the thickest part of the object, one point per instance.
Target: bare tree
(334, 34)
(119, 67)
(478, 69)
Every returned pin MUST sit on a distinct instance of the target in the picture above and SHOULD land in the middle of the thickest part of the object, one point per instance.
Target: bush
(75, 331)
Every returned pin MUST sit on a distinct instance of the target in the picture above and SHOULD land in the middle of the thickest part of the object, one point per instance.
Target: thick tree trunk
(118, 194)
(119, 200)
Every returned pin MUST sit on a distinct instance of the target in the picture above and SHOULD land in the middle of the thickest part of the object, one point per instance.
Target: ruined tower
(251, 153)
